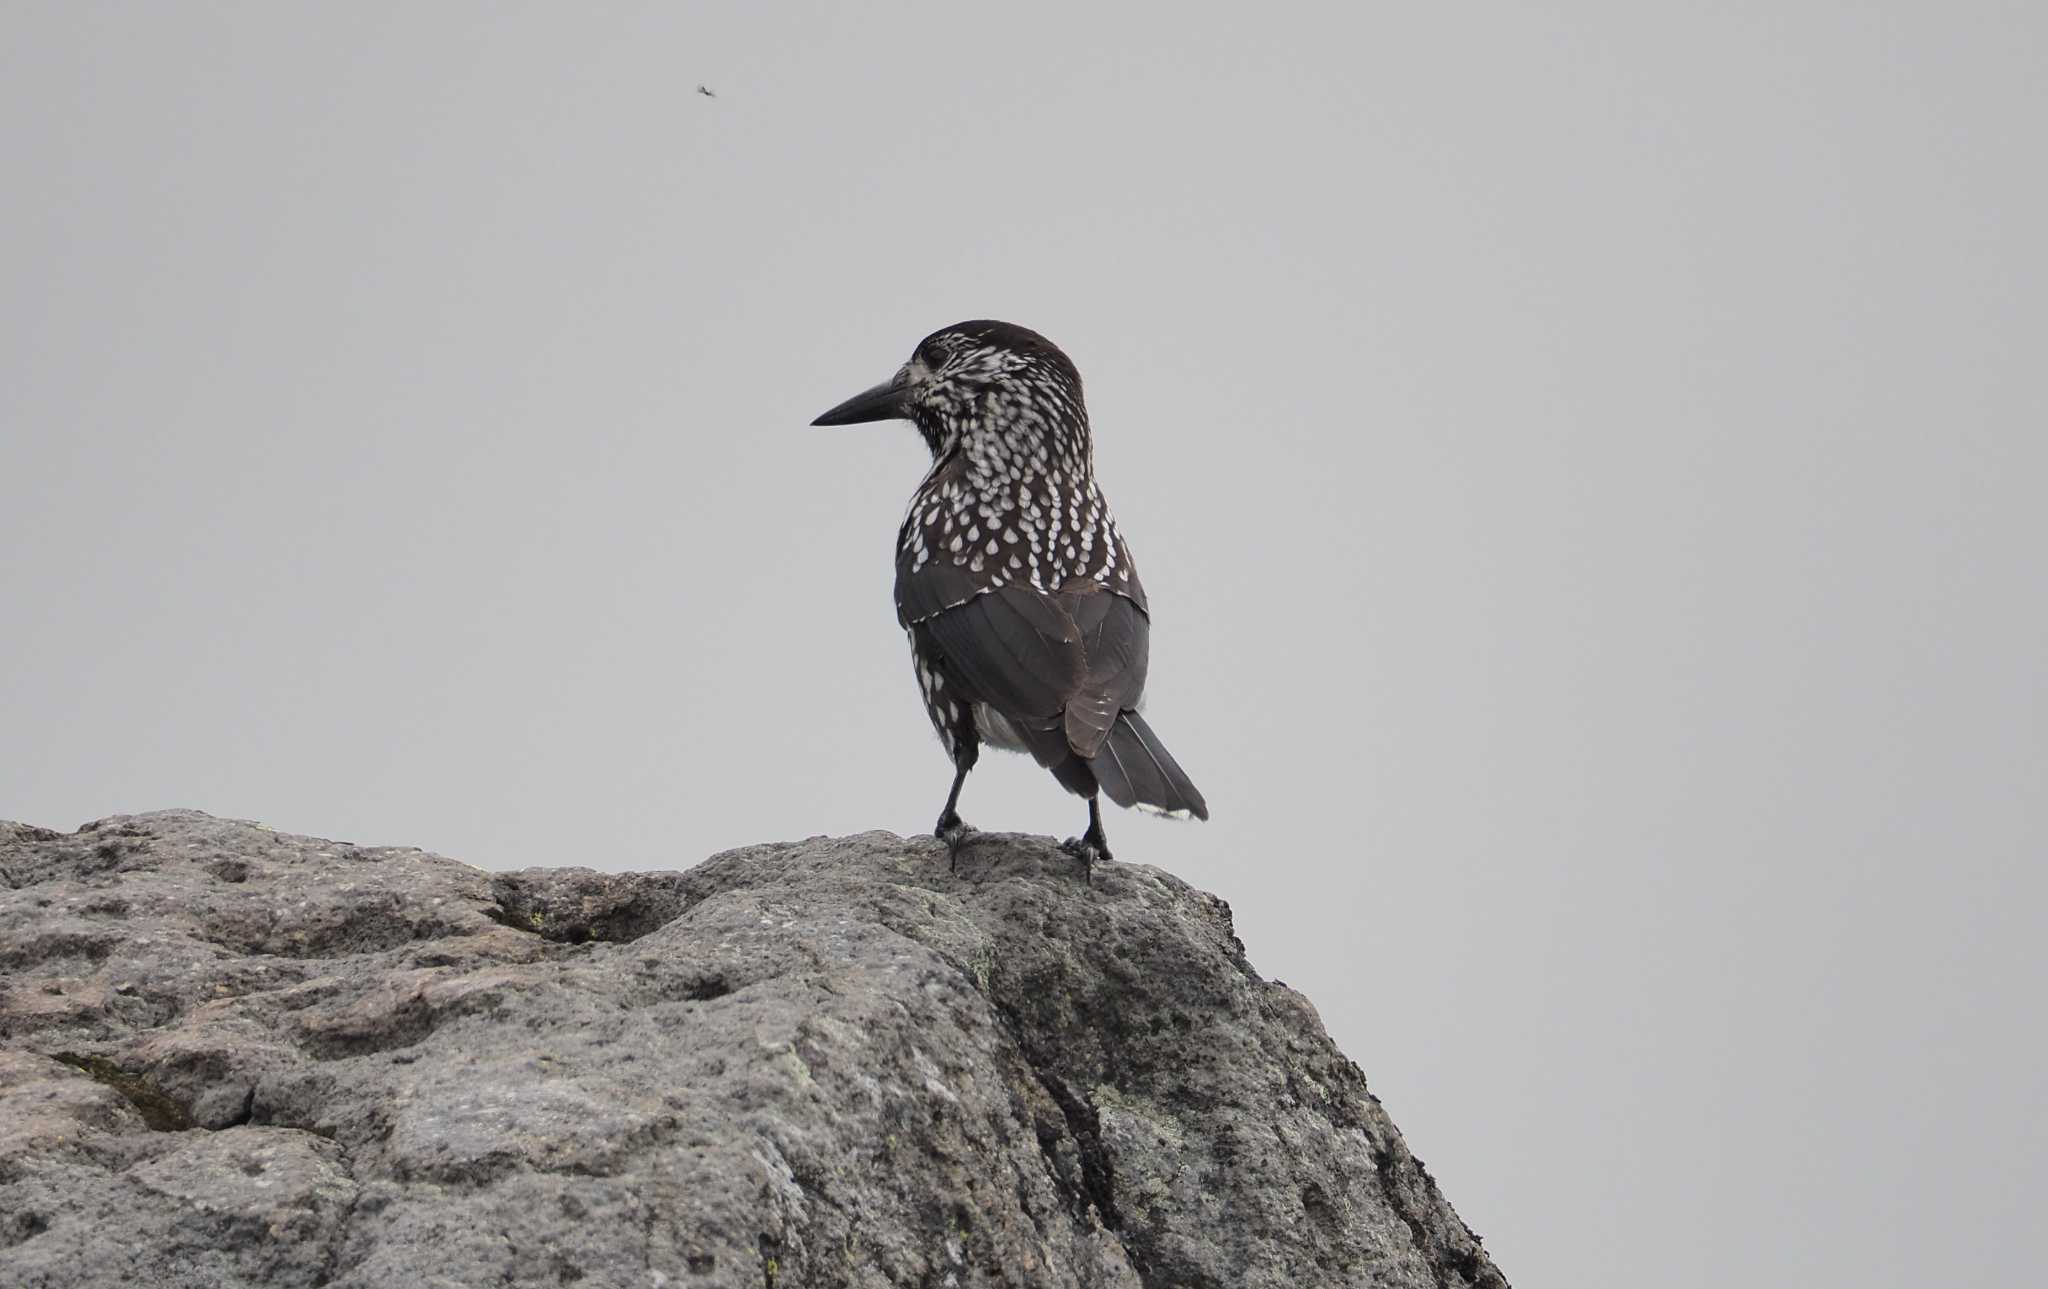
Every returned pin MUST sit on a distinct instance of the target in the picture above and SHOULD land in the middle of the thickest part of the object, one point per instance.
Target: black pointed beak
(888, 401)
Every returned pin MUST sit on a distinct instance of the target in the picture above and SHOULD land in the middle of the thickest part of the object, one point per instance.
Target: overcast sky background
(1587, 466)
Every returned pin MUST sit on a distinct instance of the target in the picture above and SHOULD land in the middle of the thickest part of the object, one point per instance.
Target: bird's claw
(956, 833)
(1090, 852)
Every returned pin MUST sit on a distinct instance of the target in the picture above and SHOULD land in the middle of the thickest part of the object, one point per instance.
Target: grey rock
(229, 1056)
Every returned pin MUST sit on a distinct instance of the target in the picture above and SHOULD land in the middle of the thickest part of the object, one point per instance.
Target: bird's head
(973, 376)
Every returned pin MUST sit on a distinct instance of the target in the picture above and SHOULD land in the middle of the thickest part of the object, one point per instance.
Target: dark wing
(1115, 648)
(1015, 649)
(1069, 662)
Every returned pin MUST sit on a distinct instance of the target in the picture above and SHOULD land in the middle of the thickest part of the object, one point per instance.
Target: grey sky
(1586, 465)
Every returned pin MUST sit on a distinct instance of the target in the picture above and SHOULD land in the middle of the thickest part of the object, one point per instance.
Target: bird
(706, 92)
(1029, 629)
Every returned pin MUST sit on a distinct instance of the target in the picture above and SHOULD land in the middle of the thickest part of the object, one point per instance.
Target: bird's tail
(1135, 769)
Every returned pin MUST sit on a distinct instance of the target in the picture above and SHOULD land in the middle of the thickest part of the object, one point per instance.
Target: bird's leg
(952, 829)
(1092, 845)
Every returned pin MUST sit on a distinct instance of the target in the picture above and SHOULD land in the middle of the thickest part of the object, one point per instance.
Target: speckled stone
(229, 1056)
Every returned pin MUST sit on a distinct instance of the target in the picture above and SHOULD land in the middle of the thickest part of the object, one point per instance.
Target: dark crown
(1002, 347)
(987, 377)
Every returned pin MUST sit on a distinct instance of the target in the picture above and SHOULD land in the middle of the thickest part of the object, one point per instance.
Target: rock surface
(229, 1056)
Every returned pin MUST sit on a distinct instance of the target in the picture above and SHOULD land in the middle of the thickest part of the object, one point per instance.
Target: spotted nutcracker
(1027, 622)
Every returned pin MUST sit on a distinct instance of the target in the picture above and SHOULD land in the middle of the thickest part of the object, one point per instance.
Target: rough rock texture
(229, 1056)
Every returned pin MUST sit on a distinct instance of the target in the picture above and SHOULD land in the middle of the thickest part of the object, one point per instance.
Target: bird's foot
(956, 833)
(1089, 849)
